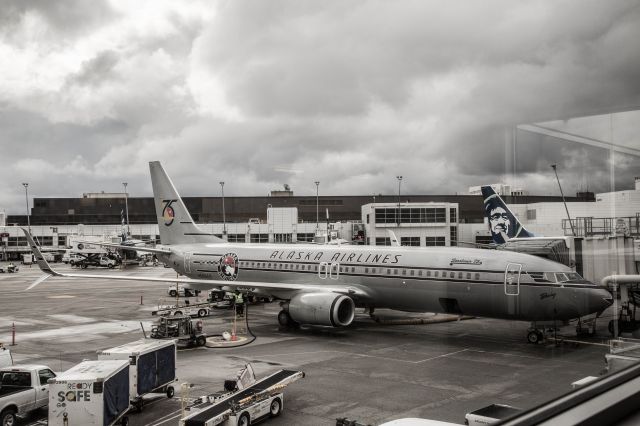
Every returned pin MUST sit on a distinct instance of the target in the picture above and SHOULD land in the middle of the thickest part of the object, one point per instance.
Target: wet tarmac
(370, 372)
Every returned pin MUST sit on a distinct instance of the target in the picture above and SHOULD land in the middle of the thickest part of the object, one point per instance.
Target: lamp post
(553, 166)
(224, 218)
(26, 198)
(126, 204)
(317, 206)
(398, 215)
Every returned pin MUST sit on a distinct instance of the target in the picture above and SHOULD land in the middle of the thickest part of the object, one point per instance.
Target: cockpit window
(558, 277)
(561, 277)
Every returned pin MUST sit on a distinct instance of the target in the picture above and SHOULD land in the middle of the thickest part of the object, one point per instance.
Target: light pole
(26, 198)
(126, 205)
(317, 207)
(224, 218)
(553, 166)
(399, 182)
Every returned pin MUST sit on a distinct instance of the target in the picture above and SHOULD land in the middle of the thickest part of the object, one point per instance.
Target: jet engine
(331, 309)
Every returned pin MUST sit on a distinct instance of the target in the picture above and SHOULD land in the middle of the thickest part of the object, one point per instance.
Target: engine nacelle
(331, 309)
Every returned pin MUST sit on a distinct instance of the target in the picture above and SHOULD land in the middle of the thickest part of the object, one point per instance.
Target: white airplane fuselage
(490, 283)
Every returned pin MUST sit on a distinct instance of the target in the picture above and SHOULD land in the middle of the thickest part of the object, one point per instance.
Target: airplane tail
(503, 224)
(174, 221)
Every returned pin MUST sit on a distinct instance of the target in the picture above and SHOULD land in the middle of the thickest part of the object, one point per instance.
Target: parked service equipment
(152, 367)
(180, 328)
(91, 393)
(23, 389)
(196, 309)
(11, 268)
(180, 290)
(244, 400)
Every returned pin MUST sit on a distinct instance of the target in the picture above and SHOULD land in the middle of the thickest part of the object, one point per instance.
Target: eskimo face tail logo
(228, 267)
(168, 214)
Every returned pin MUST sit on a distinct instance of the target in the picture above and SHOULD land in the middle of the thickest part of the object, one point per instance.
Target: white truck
(180, 290)
(91, 393)
(23, 389)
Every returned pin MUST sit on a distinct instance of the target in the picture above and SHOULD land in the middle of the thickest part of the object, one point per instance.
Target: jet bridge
(558, 249)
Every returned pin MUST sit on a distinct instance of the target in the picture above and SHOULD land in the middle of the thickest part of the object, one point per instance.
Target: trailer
(152, 367)
(200, 310)
(244, 401)
(91, 393)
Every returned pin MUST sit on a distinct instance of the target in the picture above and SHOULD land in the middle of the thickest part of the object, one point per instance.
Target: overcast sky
(350, 93)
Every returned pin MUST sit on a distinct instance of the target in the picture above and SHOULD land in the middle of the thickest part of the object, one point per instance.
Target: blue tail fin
(503, 224)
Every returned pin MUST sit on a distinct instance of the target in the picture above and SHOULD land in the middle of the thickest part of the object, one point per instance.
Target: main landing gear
(535, 336)
(285, 320)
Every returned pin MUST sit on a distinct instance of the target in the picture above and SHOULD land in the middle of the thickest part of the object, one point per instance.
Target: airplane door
(323, 269)
(512, 279)
(187, 262)
(512, 287)
(334, 271)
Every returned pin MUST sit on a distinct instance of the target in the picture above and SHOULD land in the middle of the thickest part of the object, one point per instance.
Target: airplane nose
(601, 299)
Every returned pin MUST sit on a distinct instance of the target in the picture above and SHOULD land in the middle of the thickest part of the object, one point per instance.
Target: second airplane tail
(174, 221)
(503, 224)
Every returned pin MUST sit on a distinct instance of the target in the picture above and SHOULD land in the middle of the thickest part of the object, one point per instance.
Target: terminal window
(410, 241)
(383, 241)
(259, 238)
(411, 215)
(236, 238)
(435, 241)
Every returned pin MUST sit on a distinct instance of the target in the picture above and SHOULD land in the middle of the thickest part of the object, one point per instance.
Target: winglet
(42, 263)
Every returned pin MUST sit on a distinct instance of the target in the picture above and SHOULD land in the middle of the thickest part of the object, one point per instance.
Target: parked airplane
(503, 224)
(323, 284)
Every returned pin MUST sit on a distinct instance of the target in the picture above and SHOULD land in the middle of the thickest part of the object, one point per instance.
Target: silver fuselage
(489, 283)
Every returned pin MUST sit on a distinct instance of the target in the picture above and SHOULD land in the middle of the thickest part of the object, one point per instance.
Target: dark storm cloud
(349, 93)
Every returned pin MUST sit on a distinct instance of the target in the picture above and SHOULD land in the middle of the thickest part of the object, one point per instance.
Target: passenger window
(353, 269)
(269, 265)
(420, 273)
(459, 275)
(435, 274)
(477, 277)
(366, 270)
(452, 275)
(404, 272)
(395, 271)
(388, 271)
(468, 275)
(413, 272)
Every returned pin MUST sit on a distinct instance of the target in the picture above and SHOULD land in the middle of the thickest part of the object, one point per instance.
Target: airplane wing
(164, 250)
(251, 286)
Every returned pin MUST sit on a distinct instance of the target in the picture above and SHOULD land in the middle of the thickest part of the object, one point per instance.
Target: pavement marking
(167, 418)
(364, 355)
(61, 296)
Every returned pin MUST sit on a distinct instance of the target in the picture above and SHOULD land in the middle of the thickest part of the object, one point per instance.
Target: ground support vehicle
(197, 309)
(11, 268)
(181, 329)
(91, 393)
(244, 400)
(152, 367)
(180, 290)
(23, 389)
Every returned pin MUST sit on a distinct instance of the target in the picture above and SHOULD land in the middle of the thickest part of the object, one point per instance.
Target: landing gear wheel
(534, 337)
(200, 341)
(285, 320)
(170, 392)
(244, 420)
(275, 408)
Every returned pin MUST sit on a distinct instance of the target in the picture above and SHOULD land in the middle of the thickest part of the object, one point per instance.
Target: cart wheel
(177, 313)
(124, 421)
(170, 392)
(534, 337)
(201, 340)
(202, 313)
(244, 420)
(173, 293)
(276, 407)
